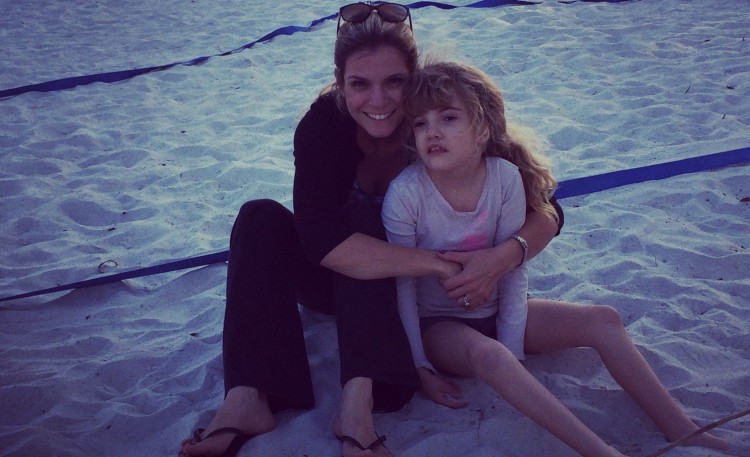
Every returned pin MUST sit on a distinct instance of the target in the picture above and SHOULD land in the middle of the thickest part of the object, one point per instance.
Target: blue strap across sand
(117, 76)
(569, 188)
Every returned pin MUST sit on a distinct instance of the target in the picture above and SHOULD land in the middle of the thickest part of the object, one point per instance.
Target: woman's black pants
(264, 346)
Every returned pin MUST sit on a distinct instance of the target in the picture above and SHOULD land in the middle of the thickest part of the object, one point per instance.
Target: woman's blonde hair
(435, 84)
(370, 34)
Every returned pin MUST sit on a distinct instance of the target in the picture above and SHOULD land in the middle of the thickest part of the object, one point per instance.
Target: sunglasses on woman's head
(359, 12)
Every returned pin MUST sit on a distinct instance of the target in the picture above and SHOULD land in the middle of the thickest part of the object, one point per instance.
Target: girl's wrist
(445, 269)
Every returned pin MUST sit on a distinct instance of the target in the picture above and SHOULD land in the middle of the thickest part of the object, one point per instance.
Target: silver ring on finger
(467, 303)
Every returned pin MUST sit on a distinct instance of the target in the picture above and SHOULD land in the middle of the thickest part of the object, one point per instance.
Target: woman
(330, 255)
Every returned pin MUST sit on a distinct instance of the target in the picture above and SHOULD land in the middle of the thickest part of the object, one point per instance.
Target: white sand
(156, 167)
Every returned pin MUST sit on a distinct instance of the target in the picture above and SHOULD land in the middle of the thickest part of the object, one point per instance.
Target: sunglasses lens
(392, 12)
(356, 12)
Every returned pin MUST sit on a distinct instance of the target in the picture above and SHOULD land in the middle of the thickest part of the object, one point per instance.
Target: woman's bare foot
(244, 408)
(354, 419)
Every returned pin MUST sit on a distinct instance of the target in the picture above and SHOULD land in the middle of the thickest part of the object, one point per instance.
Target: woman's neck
(384, 158)
(379, 147)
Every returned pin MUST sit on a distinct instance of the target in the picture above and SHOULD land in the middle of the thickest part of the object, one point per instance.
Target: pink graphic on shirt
(474, 237)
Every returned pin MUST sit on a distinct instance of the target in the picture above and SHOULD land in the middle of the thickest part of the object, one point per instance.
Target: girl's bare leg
(456, 348)
(244, 408)
(554, 325)
(354, 419)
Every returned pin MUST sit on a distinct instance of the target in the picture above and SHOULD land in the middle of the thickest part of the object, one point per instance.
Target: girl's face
(445, 139)
(373, 86)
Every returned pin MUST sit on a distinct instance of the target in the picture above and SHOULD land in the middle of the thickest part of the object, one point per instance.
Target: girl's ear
(483, 139)
(484, 132)
(484, 136)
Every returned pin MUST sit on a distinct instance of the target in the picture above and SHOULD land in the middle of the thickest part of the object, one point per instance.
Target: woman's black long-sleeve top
(326, 155)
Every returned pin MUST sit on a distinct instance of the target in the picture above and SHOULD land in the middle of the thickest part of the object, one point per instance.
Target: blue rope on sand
(175, 265)
(568, 188)
(117, 76)
(596, 183)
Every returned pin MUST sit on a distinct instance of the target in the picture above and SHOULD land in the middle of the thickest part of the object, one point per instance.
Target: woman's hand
(441, 390)
(481, 271)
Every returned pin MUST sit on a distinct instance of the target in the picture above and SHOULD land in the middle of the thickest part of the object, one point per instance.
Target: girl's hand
(447, 268)
(441, 390)
(481, 271)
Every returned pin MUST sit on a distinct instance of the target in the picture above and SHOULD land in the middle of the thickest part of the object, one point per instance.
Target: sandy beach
(106, 177)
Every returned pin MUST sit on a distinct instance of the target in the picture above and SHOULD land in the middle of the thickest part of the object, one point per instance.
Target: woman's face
(373, 86)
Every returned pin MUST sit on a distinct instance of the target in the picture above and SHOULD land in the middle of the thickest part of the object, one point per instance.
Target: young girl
(457, 198)
(460, 195)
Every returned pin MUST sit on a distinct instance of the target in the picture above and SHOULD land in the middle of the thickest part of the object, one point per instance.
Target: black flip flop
(239, 439)
(371, 447)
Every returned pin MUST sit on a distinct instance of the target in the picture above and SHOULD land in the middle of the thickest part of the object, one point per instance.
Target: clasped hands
(475, 275)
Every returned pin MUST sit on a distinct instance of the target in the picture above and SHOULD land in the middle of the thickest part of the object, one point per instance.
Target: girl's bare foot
(244, 408)
(703, 440)
(354, 420)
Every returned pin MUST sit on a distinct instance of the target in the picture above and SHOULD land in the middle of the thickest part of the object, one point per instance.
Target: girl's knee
(487, 354)
(606, 326)
(606, 316)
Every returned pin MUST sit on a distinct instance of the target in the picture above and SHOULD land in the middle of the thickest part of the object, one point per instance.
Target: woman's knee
(261, 210)
(258, 215)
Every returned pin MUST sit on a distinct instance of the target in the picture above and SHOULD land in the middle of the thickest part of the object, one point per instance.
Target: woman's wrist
(538, 231)
(513, 253)
(524, 247)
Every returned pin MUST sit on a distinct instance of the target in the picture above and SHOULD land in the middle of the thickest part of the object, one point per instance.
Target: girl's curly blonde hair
(434, 85)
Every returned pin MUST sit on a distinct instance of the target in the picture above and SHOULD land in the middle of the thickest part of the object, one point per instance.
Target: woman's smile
(380, 117)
